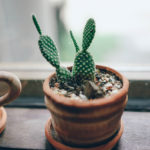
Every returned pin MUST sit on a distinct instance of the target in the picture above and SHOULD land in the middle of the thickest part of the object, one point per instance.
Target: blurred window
(123, 29)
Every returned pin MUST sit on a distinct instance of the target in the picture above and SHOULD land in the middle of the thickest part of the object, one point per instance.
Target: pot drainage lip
(58, 145)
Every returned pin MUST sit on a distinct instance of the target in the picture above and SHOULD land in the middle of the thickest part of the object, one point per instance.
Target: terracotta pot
(14, 87)
(84, 123)
(13, 92)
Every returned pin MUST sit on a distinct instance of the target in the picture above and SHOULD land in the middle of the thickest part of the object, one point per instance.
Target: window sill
(38, 102)
(25, 130)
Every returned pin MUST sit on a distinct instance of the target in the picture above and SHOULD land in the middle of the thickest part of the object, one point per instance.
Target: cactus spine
(49, 51)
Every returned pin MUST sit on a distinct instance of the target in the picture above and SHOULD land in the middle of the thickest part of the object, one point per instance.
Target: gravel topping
(106, 84)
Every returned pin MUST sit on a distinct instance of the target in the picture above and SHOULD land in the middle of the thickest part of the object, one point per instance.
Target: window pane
(123, 29)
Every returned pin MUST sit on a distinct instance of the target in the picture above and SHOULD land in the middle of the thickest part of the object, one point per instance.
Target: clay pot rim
(65, 101)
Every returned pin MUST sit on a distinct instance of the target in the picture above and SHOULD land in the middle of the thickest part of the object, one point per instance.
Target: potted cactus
(88, 114)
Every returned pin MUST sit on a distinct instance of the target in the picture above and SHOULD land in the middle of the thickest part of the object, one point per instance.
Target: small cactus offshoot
(84, 67)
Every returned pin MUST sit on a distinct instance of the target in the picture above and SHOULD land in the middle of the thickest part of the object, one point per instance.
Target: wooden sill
(25, 130)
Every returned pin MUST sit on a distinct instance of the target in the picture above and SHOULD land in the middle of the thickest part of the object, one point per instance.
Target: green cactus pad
(64, 75)
(49, 50)
(74, 41)
(36, 24)
(88, 34)
(84, 67)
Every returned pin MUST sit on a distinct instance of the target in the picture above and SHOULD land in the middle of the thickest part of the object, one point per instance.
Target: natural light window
(123, 29)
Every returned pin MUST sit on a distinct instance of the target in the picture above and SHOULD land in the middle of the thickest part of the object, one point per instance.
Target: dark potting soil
(106, 84)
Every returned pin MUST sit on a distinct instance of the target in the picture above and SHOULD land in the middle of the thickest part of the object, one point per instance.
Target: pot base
(3, 118)
(59, 145)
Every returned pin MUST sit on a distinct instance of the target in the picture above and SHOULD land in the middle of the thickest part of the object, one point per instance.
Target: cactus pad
(64, 75)
(84, 67)
(49, 50)
(74, 41)
(36, 25)
(88, 34)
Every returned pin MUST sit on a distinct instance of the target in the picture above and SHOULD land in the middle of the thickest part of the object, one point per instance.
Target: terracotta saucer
(3, 118)
(58, 145)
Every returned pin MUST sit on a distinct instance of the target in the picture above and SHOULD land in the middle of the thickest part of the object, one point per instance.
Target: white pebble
(114, 91)
(73, 96)
(118, 86)
(83, 96)
(108, 85)
(63, 92)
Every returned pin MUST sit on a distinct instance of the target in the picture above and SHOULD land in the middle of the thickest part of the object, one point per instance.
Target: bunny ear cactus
(84, 67)
(49, 51)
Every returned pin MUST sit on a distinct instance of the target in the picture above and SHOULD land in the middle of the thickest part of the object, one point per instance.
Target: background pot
(81, 123)
(14, 85)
